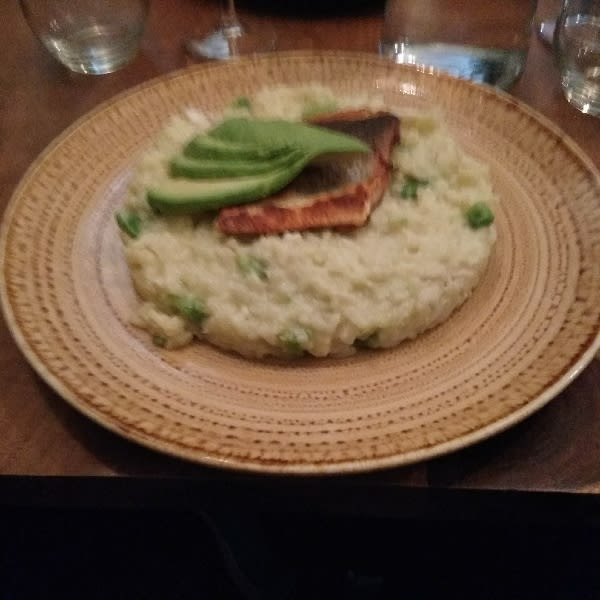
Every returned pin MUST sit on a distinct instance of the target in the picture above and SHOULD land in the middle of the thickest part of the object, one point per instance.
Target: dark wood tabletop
(555, 450)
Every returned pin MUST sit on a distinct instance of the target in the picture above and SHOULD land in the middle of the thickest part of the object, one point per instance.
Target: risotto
(317, 292)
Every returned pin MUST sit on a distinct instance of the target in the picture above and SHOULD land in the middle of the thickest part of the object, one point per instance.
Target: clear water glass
(88, 36)
(577, 44)
(483, 41)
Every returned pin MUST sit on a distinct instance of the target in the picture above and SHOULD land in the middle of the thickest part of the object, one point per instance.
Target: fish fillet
(335, 192)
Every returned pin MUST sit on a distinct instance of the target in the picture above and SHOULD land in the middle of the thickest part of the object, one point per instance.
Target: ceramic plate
(530, 327)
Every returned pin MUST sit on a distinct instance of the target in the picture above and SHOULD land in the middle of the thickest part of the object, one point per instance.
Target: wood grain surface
(555, 449)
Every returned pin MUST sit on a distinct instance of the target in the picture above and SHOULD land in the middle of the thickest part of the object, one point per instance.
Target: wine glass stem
(229, 18)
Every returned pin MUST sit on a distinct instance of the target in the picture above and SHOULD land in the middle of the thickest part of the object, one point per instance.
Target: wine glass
(545, 23)
(232, 38)
(545, 30)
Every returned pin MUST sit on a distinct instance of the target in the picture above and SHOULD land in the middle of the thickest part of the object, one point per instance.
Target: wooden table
(555, 450)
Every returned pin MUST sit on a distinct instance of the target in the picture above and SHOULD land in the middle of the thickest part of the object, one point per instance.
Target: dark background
(279, 539)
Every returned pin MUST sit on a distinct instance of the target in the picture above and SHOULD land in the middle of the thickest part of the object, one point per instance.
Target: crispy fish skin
(337, 193)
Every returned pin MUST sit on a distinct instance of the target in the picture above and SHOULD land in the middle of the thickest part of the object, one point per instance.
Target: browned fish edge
(348, 206)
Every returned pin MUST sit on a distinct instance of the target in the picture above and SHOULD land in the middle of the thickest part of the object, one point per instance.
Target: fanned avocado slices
(243, 160)
(189, 196)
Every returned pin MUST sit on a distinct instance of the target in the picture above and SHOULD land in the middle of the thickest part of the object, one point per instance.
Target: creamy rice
(321, 292)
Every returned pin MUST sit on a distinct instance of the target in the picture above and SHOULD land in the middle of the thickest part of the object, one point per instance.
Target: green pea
(479, 215)
(190, 308)
(294, 339)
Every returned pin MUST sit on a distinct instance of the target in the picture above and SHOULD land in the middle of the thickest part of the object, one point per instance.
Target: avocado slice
(278, 133)
(217, 168)
(208, 147)
(187, 196)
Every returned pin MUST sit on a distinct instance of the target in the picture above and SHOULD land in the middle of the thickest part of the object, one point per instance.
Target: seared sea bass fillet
(334, 192)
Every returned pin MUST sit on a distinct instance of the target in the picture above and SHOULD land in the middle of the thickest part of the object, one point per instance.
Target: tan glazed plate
(530, 327)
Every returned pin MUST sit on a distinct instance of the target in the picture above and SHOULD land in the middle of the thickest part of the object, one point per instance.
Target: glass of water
(577, 44)
(482, 40)
(88, 36)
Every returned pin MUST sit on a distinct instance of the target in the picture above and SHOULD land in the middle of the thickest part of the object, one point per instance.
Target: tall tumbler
(577, 44)
(482, 40)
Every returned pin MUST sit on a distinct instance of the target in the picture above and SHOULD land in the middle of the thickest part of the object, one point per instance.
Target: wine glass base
(231, 42)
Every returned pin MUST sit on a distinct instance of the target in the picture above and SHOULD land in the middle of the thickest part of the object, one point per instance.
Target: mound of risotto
(324, 291)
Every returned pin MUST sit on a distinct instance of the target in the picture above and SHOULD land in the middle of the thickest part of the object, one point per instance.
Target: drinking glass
(232, 37)
(577, 45)
(482, 40)
(88, 36)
